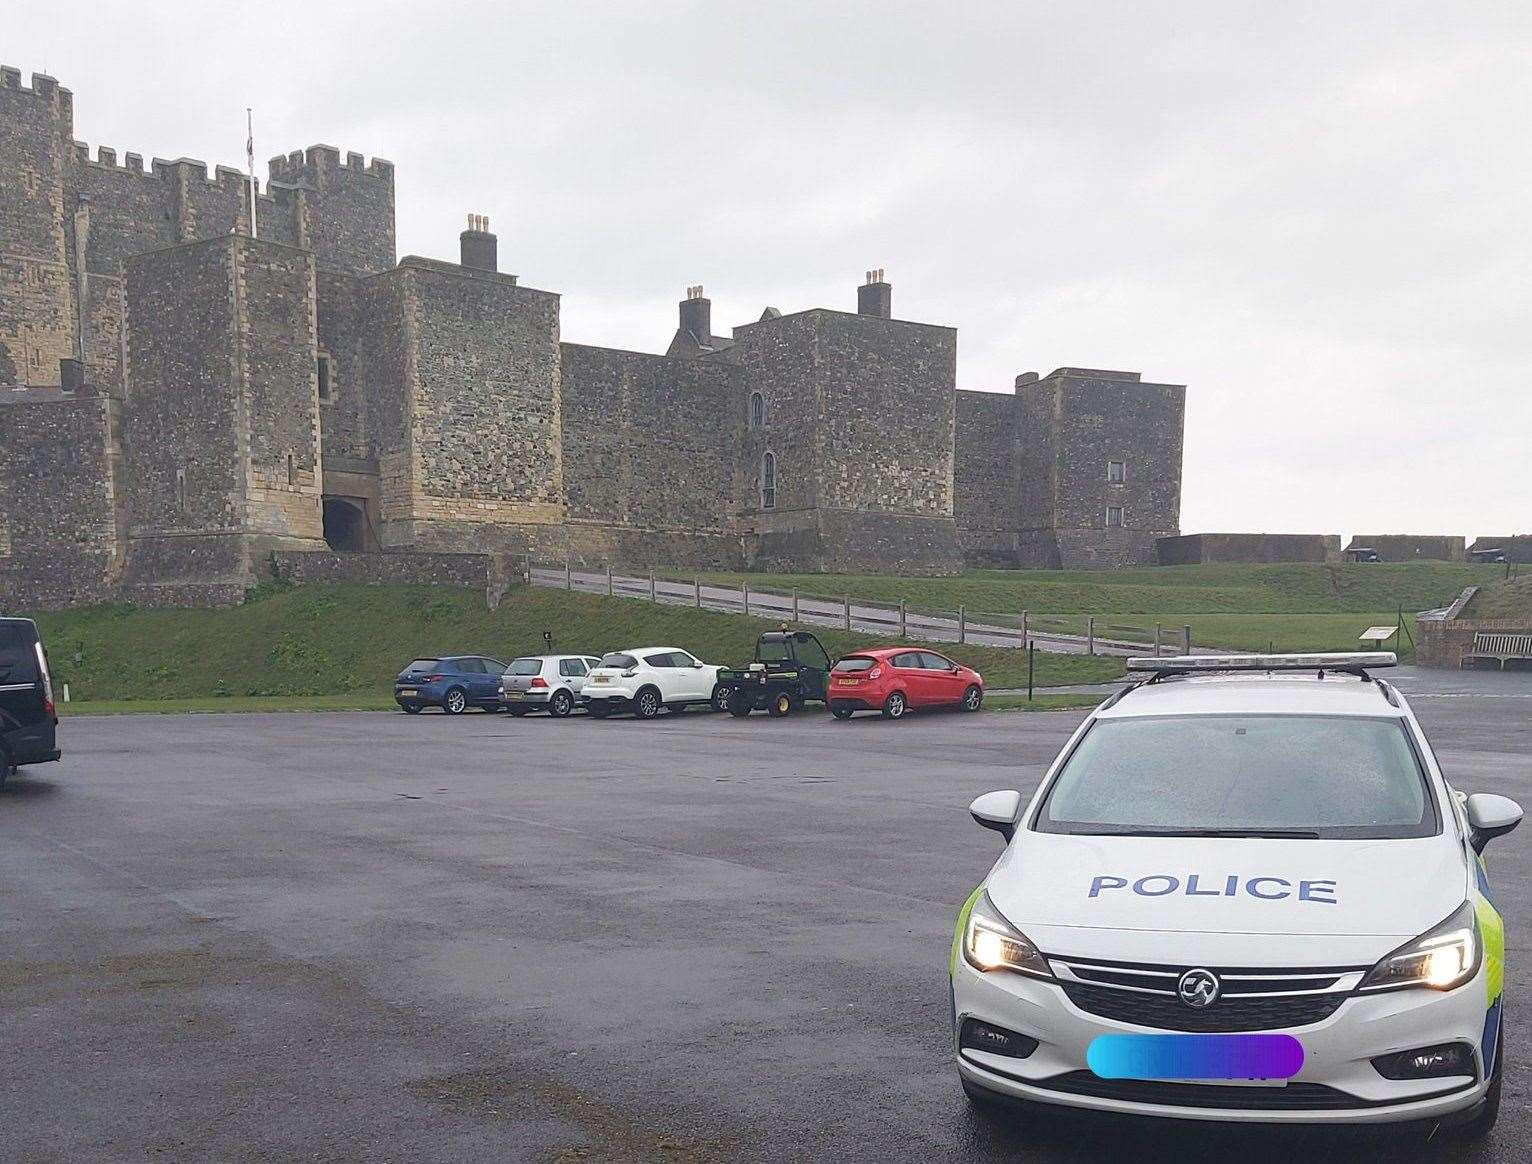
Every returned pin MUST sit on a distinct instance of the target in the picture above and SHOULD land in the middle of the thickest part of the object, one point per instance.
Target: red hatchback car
(894, 679)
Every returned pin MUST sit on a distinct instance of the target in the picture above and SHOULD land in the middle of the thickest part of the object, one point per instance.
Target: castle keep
(181, 396)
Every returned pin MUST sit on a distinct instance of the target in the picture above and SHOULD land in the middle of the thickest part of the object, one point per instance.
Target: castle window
(1114, 516)
(757, 410)
(1116, 472)
(769, 481)
(322, 367)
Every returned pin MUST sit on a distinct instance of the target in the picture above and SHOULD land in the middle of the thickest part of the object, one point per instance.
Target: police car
(1243, 891)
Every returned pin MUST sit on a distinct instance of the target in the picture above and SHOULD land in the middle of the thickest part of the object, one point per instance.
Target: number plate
(409, 691)
(847, 682)
(599, 679)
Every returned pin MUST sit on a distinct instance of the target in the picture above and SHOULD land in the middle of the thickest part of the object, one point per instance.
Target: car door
(813, 664)
(942, 674)
(662, 673)
(572, 672)
(910, 676)
(489, 687)
(467, 674)
(690, 676)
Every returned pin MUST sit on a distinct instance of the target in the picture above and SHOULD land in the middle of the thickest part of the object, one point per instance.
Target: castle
(196, 374)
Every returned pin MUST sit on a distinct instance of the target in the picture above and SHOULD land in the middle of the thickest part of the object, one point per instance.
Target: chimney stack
(876, 296)
(697, 315)
(480, 249)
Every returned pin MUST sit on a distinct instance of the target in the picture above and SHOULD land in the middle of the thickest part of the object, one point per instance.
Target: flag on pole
(250, 166)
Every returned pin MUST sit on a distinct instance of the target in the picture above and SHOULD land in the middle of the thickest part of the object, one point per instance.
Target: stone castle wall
(1412, 547)
(1197, 549)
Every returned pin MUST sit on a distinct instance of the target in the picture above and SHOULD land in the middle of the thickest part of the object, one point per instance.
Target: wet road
(366, 936)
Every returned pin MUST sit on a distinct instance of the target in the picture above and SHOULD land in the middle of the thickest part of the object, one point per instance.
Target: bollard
(962, 625)
(902, 620)
(1186, 640)
(1026, 637)
(609, 579)
(846, 604)
(795, 606)
(1090, 634)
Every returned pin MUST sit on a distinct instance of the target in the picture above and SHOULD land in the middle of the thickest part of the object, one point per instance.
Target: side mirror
(1489, 816)
(997, 810)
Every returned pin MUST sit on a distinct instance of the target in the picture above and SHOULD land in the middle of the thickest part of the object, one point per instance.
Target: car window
(853, 663)
(422, 665)
(772, 651)
(492, 666)
(525, 667)
(18, 653)
(1321, 776)
(934, 662)
(810, 652)
(467, 667)
(682, 659)
(572, 668)
(619, 660)
(661, 659)
(591, 661)
(908, 659)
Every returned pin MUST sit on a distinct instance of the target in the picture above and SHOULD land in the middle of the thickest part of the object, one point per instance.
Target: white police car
(1243, 891)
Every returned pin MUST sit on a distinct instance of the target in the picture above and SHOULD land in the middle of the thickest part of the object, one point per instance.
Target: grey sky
(1313, 214)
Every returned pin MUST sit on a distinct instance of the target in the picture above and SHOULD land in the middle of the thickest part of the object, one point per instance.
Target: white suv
(1240, 896)
(644, 679)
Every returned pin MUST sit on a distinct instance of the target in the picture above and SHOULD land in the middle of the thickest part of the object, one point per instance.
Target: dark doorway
(345, 524)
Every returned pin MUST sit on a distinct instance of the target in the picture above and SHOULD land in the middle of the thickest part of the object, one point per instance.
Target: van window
(18, 653)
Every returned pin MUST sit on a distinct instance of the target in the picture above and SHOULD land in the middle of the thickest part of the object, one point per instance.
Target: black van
(28, 720)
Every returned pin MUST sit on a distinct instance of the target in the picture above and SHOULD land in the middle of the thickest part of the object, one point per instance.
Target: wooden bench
(1501, 646)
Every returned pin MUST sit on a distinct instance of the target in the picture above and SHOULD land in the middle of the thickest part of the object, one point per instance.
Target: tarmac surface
(368, 936)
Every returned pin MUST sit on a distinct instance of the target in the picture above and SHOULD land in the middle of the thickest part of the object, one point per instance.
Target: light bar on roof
(1323, 661)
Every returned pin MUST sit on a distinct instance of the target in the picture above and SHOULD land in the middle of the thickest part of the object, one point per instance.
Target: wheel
(972, 698)
(894, 706)
(518, 712)
(781, 704)
(599, 711)
(1482, 1123)
(561, 704)
(646, 704)
(841, 712)
(720, 700)
(411, 708)
(456, 701)
(740, 705)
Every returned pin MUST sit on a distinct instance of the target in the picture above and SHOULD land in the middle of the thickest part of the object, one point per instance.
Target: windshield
(525, 667)
(856, 663)
(773, 651)
(1298, 776)
(618, 660)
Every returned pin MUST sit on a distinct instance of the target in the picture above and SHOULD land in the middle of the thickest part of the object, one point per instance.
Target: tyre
(561, 704)
(411, 708)
(720, 700)
(841, 712)
(646, 704)
(780, 705)
(895, 706)
(518, 712)
(973, 698)
(740, 705)
(599, 711)
(1483, 1121)
(456, 701)
(7, 769)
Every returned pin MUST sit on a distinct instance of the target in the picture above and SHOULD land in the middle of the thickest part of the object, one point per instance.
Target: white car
(644, 679)
(1243, 891)
(550, 683)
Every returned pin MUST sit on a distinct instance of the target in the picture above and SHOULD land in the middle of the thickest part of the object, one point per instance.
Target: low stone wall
(1444, 642)
(1196, 549)
(1412, 547)
(1516, 548)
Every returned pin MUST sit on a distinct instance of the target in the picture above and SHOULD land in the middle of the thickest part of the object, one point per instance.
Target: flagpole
(250, 168)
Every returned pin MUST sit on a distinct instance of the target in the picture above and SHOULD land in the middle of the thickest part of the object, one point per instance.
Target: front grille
(1250, 999)
(1229, 1014)
(1293, 1097)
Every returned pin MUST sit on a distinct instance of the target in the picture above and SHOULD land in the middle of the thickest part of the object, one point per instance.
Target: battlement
(44, 87)
(315, 165)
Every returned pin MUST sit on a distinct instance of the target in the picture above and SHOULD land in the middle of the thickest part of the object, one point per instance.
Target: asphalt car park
(343, 936)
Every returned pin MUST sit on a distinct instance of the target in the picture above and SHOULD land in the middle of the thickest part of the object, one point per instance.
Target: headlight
(992, 943)
(1442, 958)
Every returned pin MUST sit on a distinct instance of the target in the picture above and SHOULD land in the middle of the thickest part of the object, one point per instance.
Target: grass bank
(346, 643)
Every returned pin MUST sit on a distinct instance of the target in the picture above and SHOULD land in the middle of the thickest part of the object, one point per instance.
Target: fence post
(1026, 634)
(1156, 640)
(653, 597)
(568, 576)
(697, 591)
(795, 607)
(1031, 658)
(901, 619)
(962, 625)
(846, 608)
(1186, 640)
(744, 596)
(1090, 634)
(609, 579)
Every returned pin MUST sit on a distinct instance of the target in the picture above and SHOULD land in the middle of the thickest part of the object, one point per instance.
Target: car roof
(1255, 693)
(642, 650)
(885, 652)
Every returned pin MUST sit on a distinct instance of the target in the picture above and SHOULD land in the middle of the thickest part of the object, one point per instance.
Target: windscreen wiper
(1280, 834)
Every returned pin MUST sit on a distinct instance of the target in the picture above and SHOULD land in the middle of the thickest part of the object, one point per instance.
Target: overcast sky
(1315, 215)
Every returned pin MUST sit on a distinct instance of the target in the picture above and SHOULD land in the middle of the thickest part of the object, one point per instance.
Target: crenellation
(289, 384)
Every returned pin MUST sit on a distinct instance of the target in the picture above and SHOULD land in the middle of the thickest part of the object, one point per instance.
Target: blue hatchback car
(454, 684)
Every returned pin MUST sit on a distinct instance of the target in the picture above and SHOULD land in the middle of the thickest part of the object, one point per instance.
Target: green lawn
(346, 643)
(1290, 606)
(1503, 599)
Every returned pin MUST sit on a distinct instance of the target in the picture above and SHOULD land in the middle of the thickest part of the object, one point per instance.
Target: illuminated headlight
(1442, 958)
(992, 943)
